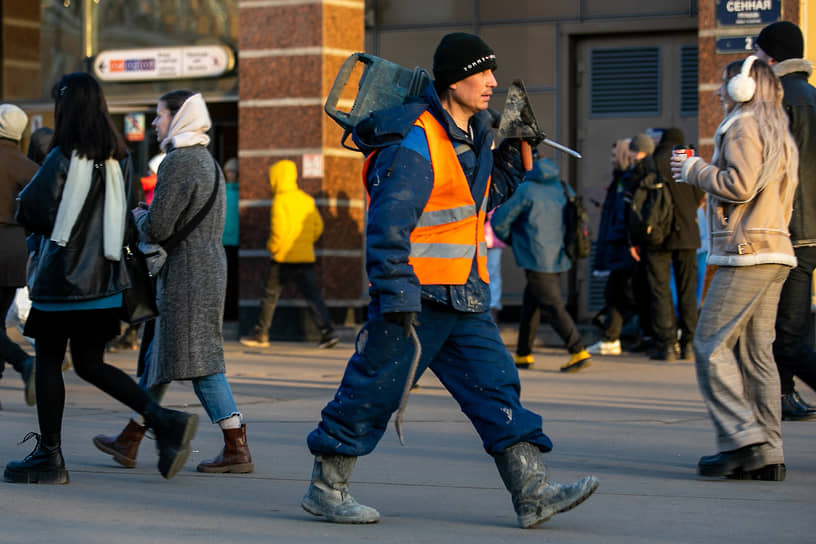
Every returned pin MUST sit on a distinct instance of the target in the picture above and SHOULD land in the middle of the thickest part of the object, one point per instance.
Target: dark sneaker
(577, 361)
(523, 361)
(255, 341)
(801, 402)
(664, 355)
(793, 411)
(328, 340)
(29, 389)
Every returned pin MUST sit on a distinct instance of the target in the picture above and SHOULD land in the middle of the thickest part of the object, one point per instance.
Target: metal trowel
(518, 121)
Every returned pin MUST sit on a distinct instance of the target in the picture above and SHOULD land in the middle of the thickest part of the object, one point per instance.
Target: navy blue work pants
(463, 350)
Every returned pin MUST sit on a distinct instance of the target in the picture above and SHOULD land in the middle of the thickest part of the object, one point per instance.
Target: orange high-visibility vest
(450, 230)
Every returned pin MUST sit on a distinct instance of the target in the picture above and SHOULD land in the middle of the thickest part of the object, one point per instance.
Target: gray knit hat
(642, 142)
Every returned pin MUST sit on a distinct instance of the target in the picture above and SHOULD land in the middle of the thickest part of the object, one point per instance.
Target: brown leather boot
(235, 456)
(125, 446)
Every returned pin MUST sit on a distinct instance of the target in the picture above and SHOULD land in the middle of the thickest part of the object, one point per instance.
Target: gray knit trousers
(734, 358)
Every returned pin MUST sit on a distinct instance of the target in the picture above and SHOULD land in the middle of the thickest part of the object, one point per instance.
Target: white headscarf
(189, 125)
(77, 185)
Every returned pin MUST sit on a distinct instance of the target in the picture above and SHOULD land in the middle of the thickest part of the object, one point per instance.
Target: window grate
(688, 80)
(625, 82)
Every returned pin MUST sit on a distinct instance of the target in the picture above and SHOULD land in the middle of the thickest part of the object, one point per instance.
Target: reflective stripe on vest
(450, 231)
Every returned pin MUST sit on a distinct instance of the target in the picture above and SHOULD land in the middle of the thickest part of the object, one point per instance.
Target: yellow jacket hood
(295, 224)
(283, 177)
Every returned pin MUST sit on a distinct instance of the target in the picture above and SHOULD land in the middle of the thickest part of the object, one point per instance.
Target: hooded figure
(295, 224)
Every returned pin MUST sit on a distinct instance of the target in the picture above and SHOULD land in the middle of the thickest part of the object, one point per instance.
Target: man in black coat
(678, 251)
(781, 45)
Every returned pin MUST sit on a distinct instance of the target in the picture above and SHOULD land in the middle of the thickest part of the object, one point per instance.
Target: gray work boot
(535, 500)
(328, 494)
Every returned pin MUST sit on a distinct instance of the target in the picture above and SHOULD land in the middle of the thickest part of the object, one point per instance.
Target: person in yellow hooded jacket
(295, 226)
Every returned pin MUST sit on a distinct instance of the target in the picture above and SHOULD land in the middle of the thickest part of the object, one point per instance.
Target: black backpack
(651, 215)
(577, 238)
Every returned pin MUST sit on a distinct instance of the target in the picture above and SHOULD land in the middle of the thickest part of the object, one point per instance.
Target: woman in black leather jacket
(77, 203)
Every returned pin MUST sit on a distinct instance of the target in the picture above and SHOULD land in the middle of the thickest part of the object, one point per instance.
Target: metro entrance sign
(748, 12)
(163, 63)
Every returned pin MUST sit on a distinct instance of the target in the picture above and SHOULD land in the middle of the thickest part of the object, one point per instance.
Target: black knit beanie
(782, 41)
(460, 55)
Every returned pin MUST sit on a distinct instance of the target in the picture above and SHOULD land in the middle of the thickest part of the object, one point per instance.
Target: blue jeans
(462, 349)
(494, 272)
(213, 392)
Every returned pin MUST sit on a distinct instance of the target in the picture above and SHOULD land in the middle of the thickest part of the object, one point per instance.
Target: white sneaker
(605, 348)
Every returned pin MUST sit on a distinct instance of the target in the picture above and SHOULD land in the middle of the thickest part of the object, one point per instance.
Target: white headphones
(742, 86)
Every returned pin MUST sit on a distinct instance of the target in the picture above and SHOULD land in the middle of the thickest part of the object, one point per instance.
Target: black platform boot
(173, 430)
(44, 465)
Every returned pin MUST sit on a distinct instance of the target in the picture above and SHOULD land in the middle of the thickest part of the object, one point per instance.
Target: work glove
(405, 319)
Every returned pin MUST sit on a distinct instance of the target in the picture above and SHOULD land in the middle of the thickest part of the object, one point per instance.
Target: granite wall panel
(281, 77)
(280, 127)
(281, 27)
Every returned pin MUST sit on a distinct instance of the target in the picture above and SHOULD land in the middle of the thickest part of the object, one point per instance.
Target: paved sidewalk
(638, 425)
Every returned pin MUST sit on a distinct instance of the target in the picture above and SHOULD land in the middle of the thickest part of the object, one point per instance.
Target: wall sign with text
(748, 12)
(163, 63)
(736, 44)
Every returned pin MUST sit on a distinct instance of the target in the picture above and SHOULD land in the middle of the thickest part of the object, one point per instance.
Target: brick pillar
(289, 54)
(712, 63)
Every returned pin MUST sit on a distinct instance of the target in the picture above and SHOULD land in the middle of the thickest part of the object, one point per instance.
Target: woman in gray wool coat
(191, 285)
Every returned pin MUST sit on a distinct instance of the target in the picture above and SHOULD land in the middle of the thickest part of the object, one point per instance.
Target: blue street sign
(736, 44)
(748, 12)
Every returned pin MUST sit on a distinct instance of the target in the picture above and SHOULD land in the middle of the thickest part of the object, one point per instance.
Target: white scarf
(77, 185)
(189, 125)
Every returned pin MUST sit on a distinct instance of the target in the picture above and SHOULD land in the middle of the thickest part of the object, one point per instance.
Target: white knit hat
(13, 122)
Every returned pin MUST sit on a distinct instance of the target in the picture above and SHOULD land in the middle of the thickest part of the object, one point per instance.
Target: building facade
(596, 71)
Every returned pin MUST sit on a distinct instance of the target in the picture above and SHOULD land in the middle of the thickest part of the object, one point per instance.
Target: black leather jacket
(79, 271)
(800, 104)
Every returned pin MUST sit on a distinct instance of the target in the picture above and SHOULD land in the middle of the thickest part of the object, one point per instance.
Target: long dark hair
(175, 99)
(81, 120)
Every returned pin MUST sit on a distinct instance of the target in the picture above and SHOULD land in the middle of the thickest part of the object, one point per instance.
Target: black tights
(89, 365)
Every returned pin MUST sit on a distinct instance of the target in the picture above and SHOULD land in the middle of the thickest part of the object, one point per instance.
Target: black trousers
(792, 348)
(620, 301)
(543, 301)
(233, 280)
(658, 273)
(10, 352)
(88, 332)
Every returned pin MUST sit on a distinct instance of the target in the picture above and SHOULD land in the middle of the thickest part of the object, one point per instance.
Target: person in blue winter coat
(431, 174)
(532, 222)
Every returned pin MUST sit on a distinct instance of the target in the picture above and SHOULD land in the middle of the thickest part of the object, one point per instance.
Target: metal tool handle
(409, 383)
